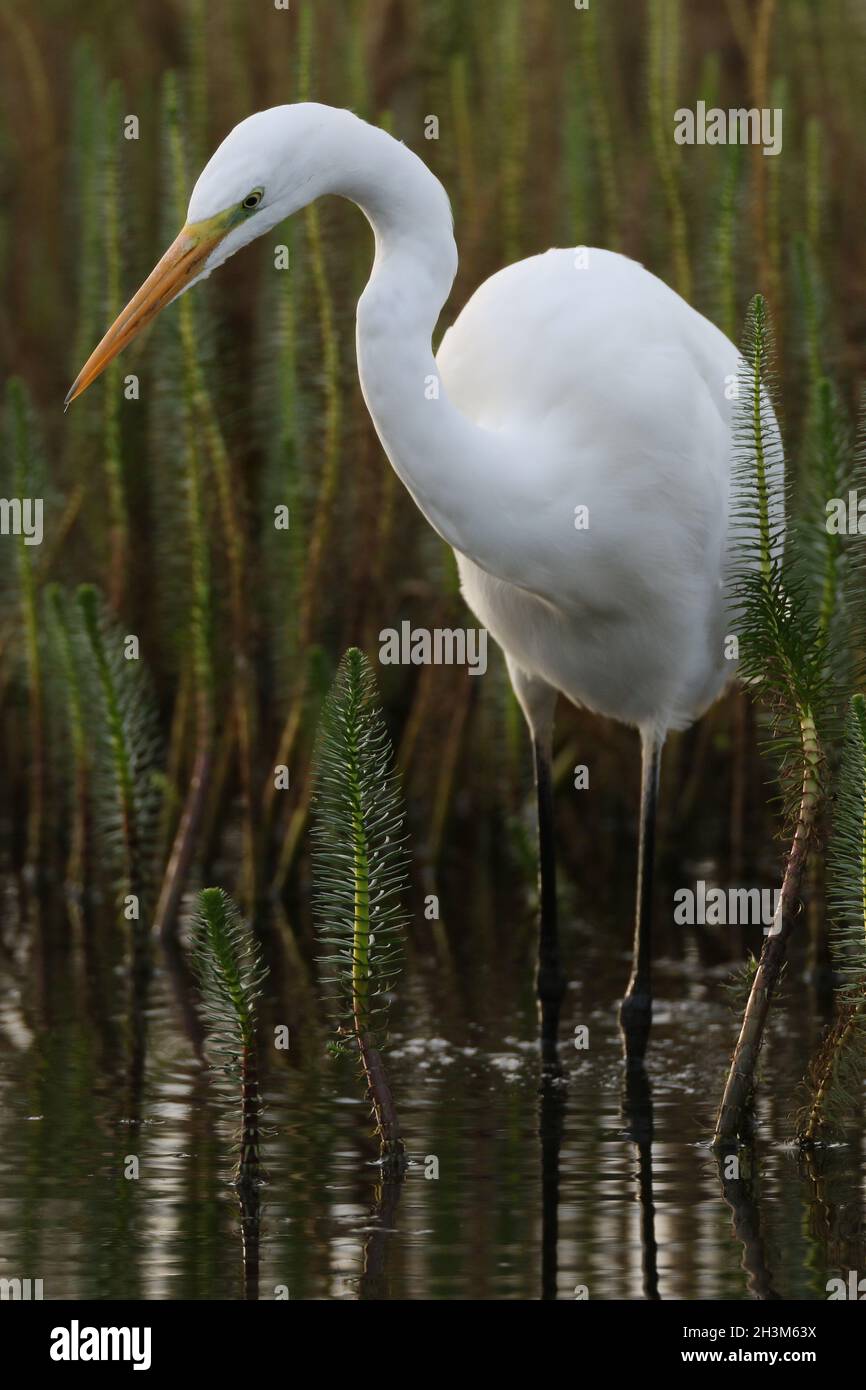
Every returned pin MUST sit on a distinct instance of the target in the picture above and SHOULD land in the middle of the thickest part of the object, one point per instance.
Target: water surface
(545, 1187)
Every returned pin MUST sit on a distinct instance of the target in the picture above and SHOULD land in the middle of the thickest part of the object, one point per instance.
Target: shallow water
(542, 1189)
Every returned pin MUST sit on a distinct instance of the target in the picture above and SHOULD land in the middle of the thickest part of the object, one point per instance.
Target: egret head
(267, 168)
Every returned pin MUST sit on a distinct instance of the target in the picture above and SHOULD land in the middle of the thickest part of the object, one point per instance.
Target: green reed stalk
(759, 58)
(296, 821)
(464, 141)
(50, 550)
(810, 292)
(125, 718)
(196, 35)
(814, 183)
(88, 603)
(29, 59)
(357, 71)
(664, 18)
(83, 427)
(200, 604)
(360, 872)
(182, 717)
(575, 164)
(24, 486)
(201, 411)
(283, 550)
(831, 448)
(514, 127)
(87, 144)
(725, 250)
(74, 706)
(709, 83)
(779, 101)
(448, 765)
(783, 655)
(243, 698)
(592, 76)
(230, 972)
(741, 1078)
(311, 587)
(837, 1071)
(112, 395)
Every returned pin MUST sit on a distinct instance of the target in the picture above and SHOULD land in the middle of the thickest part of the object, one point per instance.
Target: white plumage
(621, 386)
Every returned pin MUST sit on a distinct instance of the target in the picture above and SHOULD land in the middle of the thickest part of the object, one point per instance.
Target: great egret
(574, 449)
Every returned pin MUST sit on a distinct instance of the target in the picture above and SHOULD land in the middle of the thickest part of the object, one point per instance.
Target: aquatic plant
(664, 27)
(124, 734)
(230, 973)
(727, 229)
(24, 468)
(783, 638)
(837, 1071)
(310, 593)
(62, 642)
(112, 399)
(514, 124)
(200, 602)
(360, 866)
(592, 77)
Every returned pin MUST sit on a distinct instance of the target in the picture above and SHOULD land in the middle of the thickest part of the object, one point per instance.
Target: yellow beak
(182, 262)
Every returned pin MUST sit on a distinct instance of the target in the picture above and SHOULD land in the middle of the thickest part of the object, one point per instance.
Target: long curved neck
(450, 465)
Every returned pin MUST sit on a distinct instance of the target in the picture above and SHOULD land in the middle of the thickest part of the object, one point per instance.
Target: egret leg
(550, 982)
(636, 1010)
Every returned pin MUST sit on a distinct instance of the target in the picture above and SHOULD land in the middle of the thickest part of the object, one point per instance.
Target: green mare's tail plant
(126, 750)
(784, 636)
(66, 658)
(837, 1071)
(231, 974)
(827, 559)
(360, 864)
(327, 497)
(24, 480)
(199, 602)
(118, 514)
(111, 717)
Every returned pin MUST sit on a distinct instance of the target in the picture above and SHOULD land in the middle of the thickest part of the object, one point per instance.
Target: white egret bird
(571, 380)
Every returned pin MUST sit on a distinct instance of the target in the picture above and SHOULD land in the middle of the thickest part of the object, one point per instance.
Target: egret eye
(253, 199)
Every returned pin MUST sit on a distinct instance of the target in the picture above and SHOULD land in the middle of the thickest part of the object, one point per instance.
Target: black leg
(636, 1010)
(550, 983)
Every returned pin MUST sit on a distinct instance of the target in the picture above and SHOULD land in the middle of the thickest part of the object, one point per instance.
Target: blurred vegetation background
(555, 127)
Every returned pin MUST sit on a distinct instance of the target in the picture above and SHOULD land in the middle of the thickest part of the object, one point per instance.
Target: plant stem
(118, 526)
(384, 1110)
(740, 1082)
(22, 475)
(76, 870)
(249, 1163)
(177, 868)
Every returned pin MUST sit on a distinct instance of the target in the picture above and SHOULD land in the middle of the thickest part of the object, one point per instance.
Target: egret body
(575, 453)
